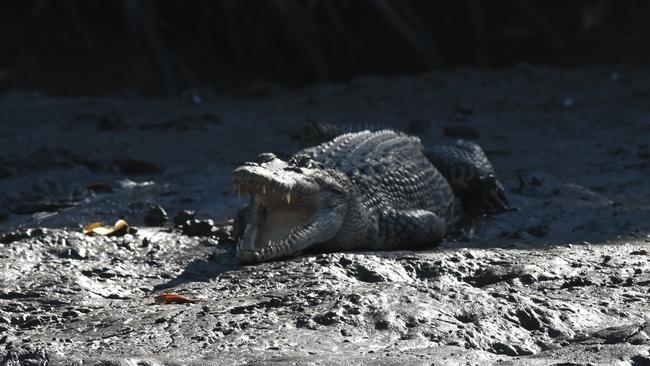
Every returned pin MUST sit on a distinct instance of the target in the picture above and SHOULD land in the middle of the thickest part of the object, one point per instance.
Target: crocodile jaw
(283, 200)
(294, 205)
(275, 219)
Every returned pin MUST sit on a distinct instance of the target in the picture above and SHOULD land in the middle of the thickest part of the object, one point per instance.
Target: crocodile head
(294, 204)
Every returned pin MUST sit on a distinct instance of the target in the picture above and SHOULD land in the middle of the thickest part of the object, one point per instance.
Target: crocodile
(366, 190)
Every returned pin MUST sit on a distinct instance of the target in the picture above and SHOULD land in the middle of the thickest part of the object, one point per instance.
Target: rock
(640, 338)
(385, 320)
(578, 281)
(196, 227)
(71, 314)
(306, 323)
(510, 349)
(21, 234)
(529, 319)
(26, 355)
(327, 318)
(618, 334)
(72, 253)
(155, 216)
(182, 217)
(366, 274)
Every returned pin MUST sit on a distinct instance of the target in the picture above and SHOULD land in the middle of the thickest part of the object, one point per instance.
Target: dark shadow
(201, 270)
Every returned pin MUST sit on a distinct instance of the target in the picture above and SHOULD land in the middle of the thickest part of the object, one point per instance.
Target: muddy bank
(562, 279)
(68, 297)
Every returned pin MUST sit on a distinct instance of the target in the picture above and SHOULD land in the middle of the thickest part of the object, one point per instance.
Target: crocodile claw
(248, 255)
(485, 196)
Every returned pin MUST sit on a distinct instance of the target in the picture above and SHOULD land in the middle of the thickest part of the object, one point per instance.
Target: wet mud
(562, 279)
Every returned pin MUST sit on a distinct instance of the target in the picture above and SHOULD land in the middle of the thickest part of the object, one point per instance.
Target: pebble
(72, 253)
(196, 227)
(21, 234)
(182, 217)
(156, 216)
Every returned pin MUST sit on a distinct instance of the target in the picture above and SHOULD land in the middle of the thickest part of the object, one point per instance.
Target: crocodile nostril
(265, 158)
(293, 169)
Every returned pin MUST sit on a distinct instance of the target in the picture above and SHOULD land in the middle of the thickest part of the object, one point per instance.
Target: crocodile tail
(315, 133)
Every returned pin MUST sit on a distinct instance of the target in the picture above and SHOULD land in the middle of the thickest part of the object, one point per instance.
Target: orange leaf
(173, 299)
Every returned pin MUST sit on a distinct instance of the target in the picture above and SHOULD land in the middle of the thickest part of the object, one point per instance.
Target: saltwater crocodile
(369, 190)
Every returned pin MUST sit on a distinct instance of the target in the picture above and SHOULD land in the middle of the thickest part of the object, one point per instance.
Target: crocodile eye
(265, 158)
(302, 161)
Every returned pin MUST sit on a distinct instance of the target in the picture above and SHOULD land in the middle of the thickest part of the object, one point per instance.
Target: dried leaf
(174, 299)
(88, 230)
(120, 228)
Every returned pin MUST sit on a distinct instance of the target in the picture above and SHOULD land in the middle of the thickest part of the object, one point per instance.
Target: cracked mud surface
(563, 280)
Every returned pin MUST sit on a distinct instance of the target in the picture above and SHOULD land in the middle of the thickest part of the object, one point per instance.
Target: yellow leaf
(88, 230)
(103, 230)
(120, 228)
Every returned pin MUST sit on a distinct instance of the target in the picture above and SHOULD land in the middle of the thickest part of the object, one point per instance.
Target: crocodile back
(388, 170)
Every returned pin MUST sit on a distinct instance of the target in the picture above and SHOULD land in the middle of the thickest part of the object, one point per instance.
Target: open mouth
(275, 212)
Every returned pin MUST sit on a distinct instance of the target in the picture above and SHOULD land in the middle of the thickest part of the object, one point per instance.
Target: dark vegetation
(165, 47)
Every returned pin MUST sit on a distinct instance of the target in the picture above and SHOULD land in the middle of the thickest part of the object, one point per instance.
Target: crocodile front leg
(410, 229)
(321, 228)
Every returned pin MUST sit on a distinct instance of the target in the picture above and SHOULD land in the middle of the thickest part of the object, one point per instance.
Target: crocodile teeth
(264, 189)
(287, 197)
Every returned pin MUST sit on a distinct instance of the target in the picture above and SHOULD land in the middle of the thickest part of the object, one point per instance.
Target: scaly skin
(365, 190)
(464, 165)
